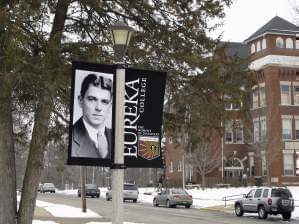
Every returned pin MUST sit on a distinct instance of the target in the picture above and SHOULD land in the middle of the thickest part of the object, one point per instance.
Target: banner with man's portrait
(144, 98)
(91, 138)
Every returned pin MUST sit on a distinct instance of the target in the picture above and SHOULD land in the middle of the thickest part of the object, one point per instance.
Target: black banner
(144, 98)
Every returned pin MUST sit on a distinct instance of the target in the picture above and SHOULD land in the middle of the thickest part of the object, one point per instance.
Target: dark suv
(91, 190)
(266, 200)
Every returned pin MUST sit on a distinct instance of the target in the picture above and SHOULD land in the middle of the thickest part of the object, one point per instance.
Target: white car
(48, 187)
(130, 192)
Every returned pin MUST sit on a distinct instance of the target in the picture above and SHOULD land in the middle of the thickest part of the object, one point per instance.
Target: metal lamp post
(121, 34)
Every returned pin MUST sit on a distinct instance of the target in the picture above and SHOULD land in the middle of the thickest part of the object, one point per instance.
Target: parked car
(173, 197)
(48, 187)
(91, 190)
(266, 200)
(130, 192)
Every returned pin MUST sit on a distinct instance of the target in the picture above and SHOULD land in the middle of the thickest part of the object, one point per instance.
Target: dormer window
(289, 43)
(279, 42)
(252, 48)
(258, 46)
(264, 44)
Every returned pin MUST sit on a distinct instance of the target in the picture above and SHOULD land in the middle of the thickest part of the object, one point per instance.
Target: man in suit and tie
(91, 138)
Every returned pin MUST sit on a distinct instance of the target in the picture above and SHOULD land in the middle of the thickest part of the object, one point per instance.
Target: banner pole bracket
(118, 166)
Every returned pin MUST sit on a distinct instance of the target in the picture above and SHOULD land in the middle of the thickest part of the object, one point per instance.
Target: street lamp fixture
(121, 35)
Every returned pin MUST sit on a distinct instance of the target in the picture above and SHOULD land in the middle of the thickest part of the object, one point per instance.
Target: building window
(289, 43)
(252, 48)
(263, 128)
(288, 164)
(286, 128)
(264, 164)
(297, 128)
(262, 96)
(188, 173)
(279, 42)
(285, 94)
(258, 46)
(251, 165)
(239, 132)
(227, 103)
(171, 167)
(264, 44)
(180, 166)
(255, 98)
(296, 93)
(228, 133)
(297, 163)
(256, 130)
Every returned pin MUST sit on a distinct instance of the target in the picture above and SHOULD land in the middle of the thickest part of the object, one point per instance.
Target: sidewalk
(42, 214)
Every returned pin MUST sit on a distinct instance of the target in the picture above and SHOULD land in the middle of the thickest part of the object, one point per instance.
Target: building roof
(276, 25)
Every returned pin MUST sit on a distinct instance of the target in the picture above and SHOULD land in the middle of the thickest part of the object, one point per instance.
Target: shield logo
(149, 147)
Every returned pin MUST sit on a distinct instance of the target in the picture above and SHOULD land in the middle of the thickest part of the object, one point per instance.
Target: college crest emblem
(149, 147)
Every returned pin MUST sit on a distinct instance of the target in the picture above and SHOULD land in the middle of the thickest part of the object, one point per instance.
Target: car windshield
(91, 186)
(280, 192)
(48, 185)
(178, 191)
(130, 187)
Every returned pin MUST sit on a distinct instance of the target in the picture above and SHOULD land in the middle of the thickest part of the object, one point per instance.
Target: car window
(250, 194)
(91, 186)
(280, 192)
(265, 193)
(258, 193)
(163, 192)
(130, 187)
(48, 185)
(178, 191)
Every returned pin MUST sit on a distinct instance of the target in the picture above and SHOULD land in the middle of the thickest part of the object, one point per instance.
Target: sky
(245, 17)
(146, 195)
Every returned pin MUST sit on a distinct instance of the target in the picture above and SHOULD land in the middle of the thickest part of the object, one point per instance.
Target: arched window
(233, 168)
(279, 42)
(264, 44)
(258, 46)
(289, 43)
(252, 48)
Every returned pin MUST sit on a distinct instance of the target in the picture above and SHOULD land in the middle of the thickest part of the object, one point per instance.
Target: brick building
(273, 151)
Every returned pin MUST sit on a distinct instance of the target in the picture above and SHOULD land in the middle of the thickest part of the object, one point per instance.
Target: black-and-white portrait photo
(91, 125)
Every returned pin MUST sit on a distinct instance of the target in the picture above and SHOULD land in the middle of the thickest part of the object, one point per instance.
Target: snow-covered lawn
(209, 197)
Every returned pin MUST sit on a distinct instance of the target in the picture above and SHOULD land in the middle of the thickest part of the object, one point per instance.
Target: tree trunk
(8, 199)
(8, 204)
(41, 122)
(35, 160)
(203, 180)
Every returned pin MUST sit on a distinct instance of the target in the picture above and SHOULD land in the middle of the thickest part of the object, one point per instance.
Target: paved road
(145, 213)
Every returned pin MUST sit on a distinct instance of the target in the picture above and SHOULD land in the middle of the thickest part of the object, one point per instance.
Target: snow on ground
(66, 211)
(201, 199)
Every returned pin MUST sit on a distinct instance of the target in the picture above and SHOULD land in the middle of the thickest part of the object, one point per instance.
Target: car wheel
(238, 210)
(79, 195)
(107, 198)
(187, 206)
(134, 200)
(155, 203)
(98, 195)
(286, 216)
(262, 212)
(168, 204)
